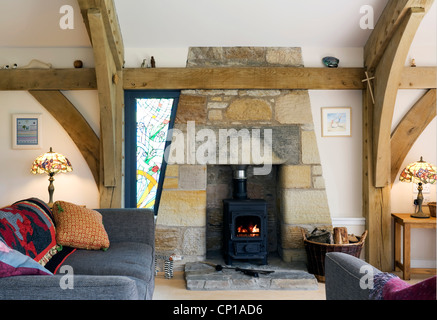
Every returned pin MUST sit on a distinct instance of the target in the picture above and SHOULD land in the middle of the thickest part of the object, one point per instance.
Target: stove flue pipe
(240, 181)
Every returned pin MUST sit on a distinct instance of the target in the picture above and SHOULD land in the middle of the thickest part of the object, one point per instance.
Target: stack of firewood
(338, 236)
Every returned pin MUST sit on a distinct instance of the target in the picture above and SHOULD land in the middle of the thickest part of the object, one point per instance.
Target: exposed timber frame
(103, 29)
(386, 43)
(385, 55)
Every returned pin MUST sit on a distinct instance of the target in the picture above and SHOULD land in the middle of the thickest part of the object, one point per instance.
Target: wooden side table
(405, 220)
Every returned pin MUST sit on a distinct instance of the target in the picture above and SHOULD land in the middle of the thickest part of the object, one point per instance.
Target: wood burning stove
(244, 224)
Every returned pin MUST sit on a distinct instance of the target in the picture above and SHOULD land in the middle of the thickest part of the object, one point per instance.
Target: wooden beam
(111, 26)
(410, 128)
(48, 79)
(376, 201)
(387, 25)
(387, 77)
(244, 78)
(74, 124)
(385, 56)
(104, 71)
(213, 78)
(419, 78)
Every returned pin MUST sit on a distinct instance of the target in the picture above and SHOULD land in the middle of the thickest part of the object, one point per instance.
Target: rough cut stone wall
(189, 216)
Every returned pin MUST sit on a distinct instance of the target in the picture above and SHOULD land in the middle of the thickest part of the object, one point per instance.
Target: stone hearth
(285, 276)
(189, 220)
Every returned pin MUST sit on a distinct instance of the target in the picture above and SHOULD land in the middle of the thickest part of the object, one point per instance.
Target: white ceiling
(177, 23)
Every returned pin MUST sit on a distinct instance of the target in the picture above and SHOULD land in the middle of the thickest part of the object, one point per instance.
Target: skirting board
(344, 222)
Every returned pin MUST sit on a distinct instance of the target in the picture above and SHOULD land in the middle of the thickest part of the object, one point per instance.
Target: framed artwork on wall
(27, 131)
(336, 122)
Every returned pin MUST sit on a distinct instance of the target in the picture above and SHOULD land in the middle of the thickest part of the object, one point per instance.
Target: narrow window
(149, 116)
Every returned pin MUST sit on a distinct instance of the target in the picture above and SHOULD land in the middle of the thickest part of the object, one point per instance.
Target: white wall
(16, 180)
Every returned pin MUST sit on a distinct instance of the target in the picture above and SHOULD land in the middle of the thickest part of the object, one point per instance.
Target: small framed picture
(336, 122)
(26, 131)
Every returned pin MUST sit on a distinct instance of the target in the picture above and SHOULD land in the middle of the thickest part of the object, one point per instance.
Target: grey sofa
(124, 271)
(343, 273)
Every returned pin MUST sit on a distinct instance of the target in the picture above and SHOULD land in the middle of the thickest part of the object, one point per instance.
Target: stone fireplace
(209, 125)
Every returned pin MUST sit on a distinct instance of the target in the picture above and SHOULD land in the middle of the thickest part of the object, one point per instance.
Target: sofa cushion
(124, 259)
(79, 227)
(27, 226)
(14, 263)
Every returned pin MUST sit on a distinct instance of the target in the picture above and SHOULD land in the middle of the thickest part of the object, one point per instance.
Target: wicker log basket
(316, 253)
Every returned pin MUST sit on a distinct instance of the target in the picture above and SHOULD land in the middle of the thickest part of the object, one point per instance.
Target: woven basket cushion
(79, 227)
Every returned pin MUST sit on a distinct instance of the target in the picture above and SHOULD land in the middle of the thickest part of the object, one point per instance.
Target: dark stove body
(240, 215)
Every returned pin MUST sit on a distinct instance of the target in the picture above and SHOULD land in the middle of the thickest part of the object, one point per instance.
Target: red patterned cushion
(27, 226)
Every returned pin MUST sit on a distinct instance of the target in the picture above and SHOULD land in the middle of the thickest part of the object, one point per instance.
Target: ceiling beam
(388, 23)
(410, 128)
(111, 26)
(48, 79)
(74, 124)
(211, 78)
(388, 75)
(245, 78)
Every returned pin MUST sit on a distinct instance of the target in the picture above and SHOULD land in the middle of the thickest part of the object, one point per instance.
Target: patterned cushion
(27, 226)
(390, 287)
(79, 227)
(14, 263)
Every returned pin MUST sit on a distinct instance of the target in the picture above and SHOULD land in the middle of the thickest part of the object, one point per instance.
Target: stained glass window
(152, 120)
(153, 117)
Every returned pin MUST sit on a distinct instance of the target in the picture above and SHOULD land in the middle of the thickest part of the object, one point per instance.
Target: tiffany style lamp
(51, 163)
(420, 172)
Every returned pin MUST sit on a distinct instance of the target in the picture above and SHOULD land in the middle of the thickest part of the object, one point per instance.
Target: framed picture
(26, 131)
(336, 122)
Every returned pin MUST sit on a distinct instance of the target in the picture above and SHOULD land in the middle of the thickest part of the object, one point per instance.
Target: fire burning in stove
(250, 231)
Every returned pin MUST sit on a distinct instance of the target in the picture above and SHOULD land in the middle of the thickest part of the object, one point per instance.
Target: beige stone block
(291, 237)
(182, 208)
(310, 151)
(167, 239)
(218, 105)
(170, 183)
(295, 177)
(285, 56)
(194, 242)
(191, 108)
(317, 171)
(215, 115)
(247, 109)
(305, 207)
(318, 182)
(294, 108)
(293, 255)
(192, 177)
(172, 170)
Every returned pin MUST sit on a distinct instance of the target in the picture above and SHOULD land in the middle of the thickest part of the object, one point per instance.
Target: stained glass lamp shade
(420, 172)
(51, 163)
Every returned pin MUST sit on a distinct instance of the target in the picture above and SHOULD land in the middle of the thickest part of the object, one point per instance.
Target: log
(340, 235)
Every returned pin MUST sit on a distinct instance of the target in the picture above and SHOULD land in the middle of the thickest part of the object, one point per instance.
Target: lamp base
(420, 215)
